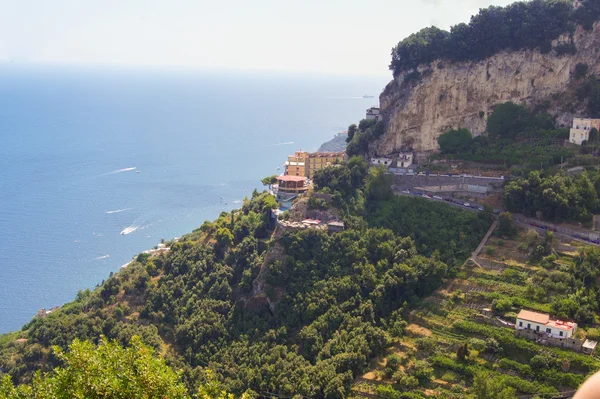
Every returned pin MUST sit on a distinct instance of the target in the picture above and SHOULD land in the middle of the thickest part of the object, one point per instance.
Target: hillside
(333, 301)
(463, 334)
(439, 94)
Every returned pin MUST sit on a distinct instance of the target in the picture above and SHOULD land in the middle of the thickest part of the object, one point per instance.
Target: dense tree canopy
(455, 141)
(521, 25)
(558, 197)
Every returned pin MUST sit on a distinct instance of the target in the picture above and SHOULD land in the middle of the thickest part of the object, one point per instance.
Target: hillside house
(381, 161)
(373, 113)
(580, 131)
(405, 159)
(542, 323)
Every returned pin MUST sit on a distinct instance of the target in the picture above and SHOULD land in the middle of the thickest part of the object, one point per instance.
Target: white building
(543, 324)
(581, 129)
(405, 159)
(381, 161)
(373, 113)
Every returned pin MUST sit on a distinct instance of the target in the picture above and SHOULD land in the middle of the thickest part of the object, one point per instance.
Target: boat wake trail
(114, 172)
(103, 257)
(118, 211)
(286, 143)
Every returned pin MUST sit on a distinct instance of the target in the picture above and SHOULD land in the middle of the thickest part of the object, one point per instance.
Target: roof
(291, 178)
(589, 344)
(533, 316)
(311, 221)
(325, 154)
(561, 325)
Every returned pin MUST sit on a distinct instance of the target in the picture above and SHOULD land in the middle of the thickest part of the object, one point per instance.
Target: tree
(506, 227)
(105, 371)
(455, 141)
(379, 184)
(507, 120)
(593, 137)
(463, 351)
(269, 180)
(351, 132)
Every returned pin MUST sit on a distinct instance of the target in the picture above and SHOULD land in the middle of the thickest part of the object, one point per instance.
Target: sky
(312, 36)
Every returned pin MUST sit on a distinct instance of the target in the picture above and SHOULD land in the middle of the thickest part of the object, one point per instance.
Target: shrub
(315, 203)
(449, 377)
(492, 346)
(502, 305)
(477, 344)
(581, 70)
(387, 392)
(426, 344)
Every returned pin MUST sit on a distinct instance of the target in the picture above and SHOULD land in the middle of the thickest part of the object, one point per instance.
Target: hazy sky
(334, 36)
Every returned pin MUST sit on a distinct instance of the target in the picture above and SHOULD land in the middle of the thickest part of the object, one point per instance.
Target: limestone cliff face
(453, 95)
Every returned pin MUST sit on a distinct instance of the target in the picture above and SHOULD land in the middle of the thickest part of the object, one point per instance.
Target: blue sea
(89, 153)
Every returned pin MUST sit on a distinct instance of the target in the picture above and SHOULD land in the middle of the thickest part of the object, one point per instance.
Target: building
(405, 159)
(305, 164)
(288, 188)
(381, 161)
(580, 131)
(296, 164)
(373, 113)
(320, 160)
(543, 324)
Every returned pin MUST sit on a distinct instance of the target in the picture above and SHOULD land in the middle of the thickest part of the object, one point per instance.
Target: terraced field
(463, 333)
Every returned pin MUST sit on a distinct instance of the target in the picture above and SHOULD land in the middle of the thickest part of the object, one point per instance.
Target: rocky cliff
(457, 95)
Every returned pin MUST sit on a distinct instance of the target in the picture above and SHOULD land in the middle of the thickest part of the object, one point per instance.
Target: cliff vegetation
(521, 25)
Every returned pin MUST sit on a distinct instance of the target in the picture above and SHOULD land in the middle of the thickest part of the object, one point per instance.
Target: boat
(367, 96)
(137, 171)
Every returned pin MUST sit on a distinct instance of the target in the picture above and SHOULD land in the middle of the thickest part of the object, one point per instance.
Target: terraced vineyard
(464, 333)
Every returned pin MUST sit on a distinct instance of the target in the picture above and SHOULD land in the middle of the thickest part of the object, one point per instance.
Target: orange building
(305, 164)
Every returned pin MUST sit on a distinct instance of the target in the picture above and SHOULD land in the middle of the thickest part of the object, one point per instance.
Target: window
(537, 328)
(520, 324)
(548, 330)
(560, 333)
(528, 326)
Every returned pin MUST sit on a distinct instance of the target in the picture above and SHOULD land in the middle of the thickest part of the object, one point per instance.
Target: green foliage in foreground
(107, 371)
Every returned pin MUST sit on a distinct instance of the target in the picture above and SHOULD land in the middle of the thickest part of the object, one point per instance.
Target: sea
(99, 163)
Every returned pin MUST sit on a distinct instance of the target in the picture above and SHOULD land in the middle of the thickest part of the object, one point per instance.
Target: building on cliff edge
(580, 131)
(305, 164)
(374, 113)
